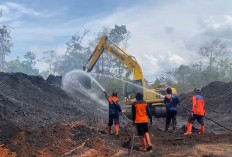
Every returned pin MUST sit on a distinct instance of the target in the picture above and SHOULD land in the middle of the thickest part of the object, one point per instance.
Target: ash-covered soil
(38, 119)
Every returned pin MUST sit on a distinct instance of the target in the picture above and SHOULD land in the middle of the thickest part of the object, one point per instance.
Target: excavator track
(158, 110)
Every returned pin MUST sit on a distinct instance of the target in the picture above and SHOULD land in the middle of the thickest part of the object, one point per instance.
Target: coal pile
(31, 106)
(217, 96)
(32, 101)
(54, 80)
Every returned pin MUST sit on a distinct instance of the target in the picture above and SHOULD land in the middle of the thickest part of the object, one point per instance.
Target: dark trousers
(113, 118)
(142, 128)
(199, 118)
(171, 115)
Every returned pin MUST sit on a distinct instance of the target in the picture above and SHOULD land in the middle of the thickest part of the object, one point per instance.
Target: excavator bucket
(85, 81)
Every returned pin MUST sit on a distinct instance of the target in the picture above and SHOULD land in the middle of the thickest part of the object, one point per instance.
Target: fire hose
(130, 121)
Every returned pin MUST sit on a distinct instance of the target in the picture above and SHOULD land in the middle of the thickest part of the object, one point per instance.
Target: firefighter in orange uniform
(198, 112)
(114, 110)
(171, 101)
(140, 114)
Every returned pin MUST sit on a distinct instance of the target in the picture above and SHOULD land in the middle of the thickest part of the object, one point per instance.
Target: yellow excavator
(154, 97)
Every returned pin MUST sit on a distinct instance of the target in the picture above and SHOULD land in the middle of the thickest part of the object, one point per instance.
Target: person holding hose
(198, 112)
(171, 101)
(114, 110)
(140, 114)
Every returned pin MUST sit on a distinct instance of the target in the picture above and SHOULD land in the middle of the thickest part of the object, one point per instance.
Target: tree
(108, 64)
(214, 51)
(76, 55)
(14, 65)
(156, 83)
(27, 66)
(30, 58)
(218, 68)
(52, 60)
(118, 33)
(102, 65)
(5, 45)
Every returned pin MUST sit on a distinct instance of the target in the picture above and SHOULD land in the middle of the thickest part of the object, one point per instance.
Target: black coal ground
(40, 119)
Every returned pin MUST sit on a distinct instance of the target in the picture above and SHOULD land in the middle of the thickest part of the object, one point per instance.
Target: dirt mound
(217, 96)
(30, 104)
(5, 152)
(31, 101)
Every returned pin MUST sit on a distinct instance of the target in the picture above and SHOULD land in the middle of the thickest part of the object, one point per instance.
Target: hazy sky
(164, 33)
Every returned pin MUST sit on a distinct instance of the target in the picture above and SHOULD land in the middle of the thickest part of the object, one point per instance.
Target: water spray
(129, 83)
(70, 78)
(73, 81)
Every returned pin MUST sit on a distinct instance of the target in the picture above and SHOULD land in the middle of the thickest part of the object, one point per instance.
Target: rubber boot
(148, 141)
(174, 127)
(166, 128)
(202, 132)
(109, 130)
(117, 129)
(144, 145)
(189, 129)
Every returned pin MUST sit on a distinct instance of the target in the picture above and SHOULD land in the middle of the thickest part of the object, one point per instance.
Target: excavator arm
(118, 53)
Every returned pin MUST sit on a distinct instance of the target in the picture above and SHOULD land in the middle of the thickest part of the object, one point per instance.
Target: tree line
(76, 55)
(215, 64)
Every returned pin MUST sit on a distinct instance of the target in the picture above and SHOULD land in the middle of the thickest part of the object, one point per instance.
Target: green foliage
(30, 57)
(188, 77)
(75, 56)
(118, 34)
(14, 66)
(27, 66)
(108, 64)
(111, 85)
(52, 59)
(5, 45)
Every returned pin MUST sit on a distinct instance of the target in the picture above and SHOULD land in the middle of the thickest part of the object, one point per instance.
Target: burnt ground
(41, 120)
